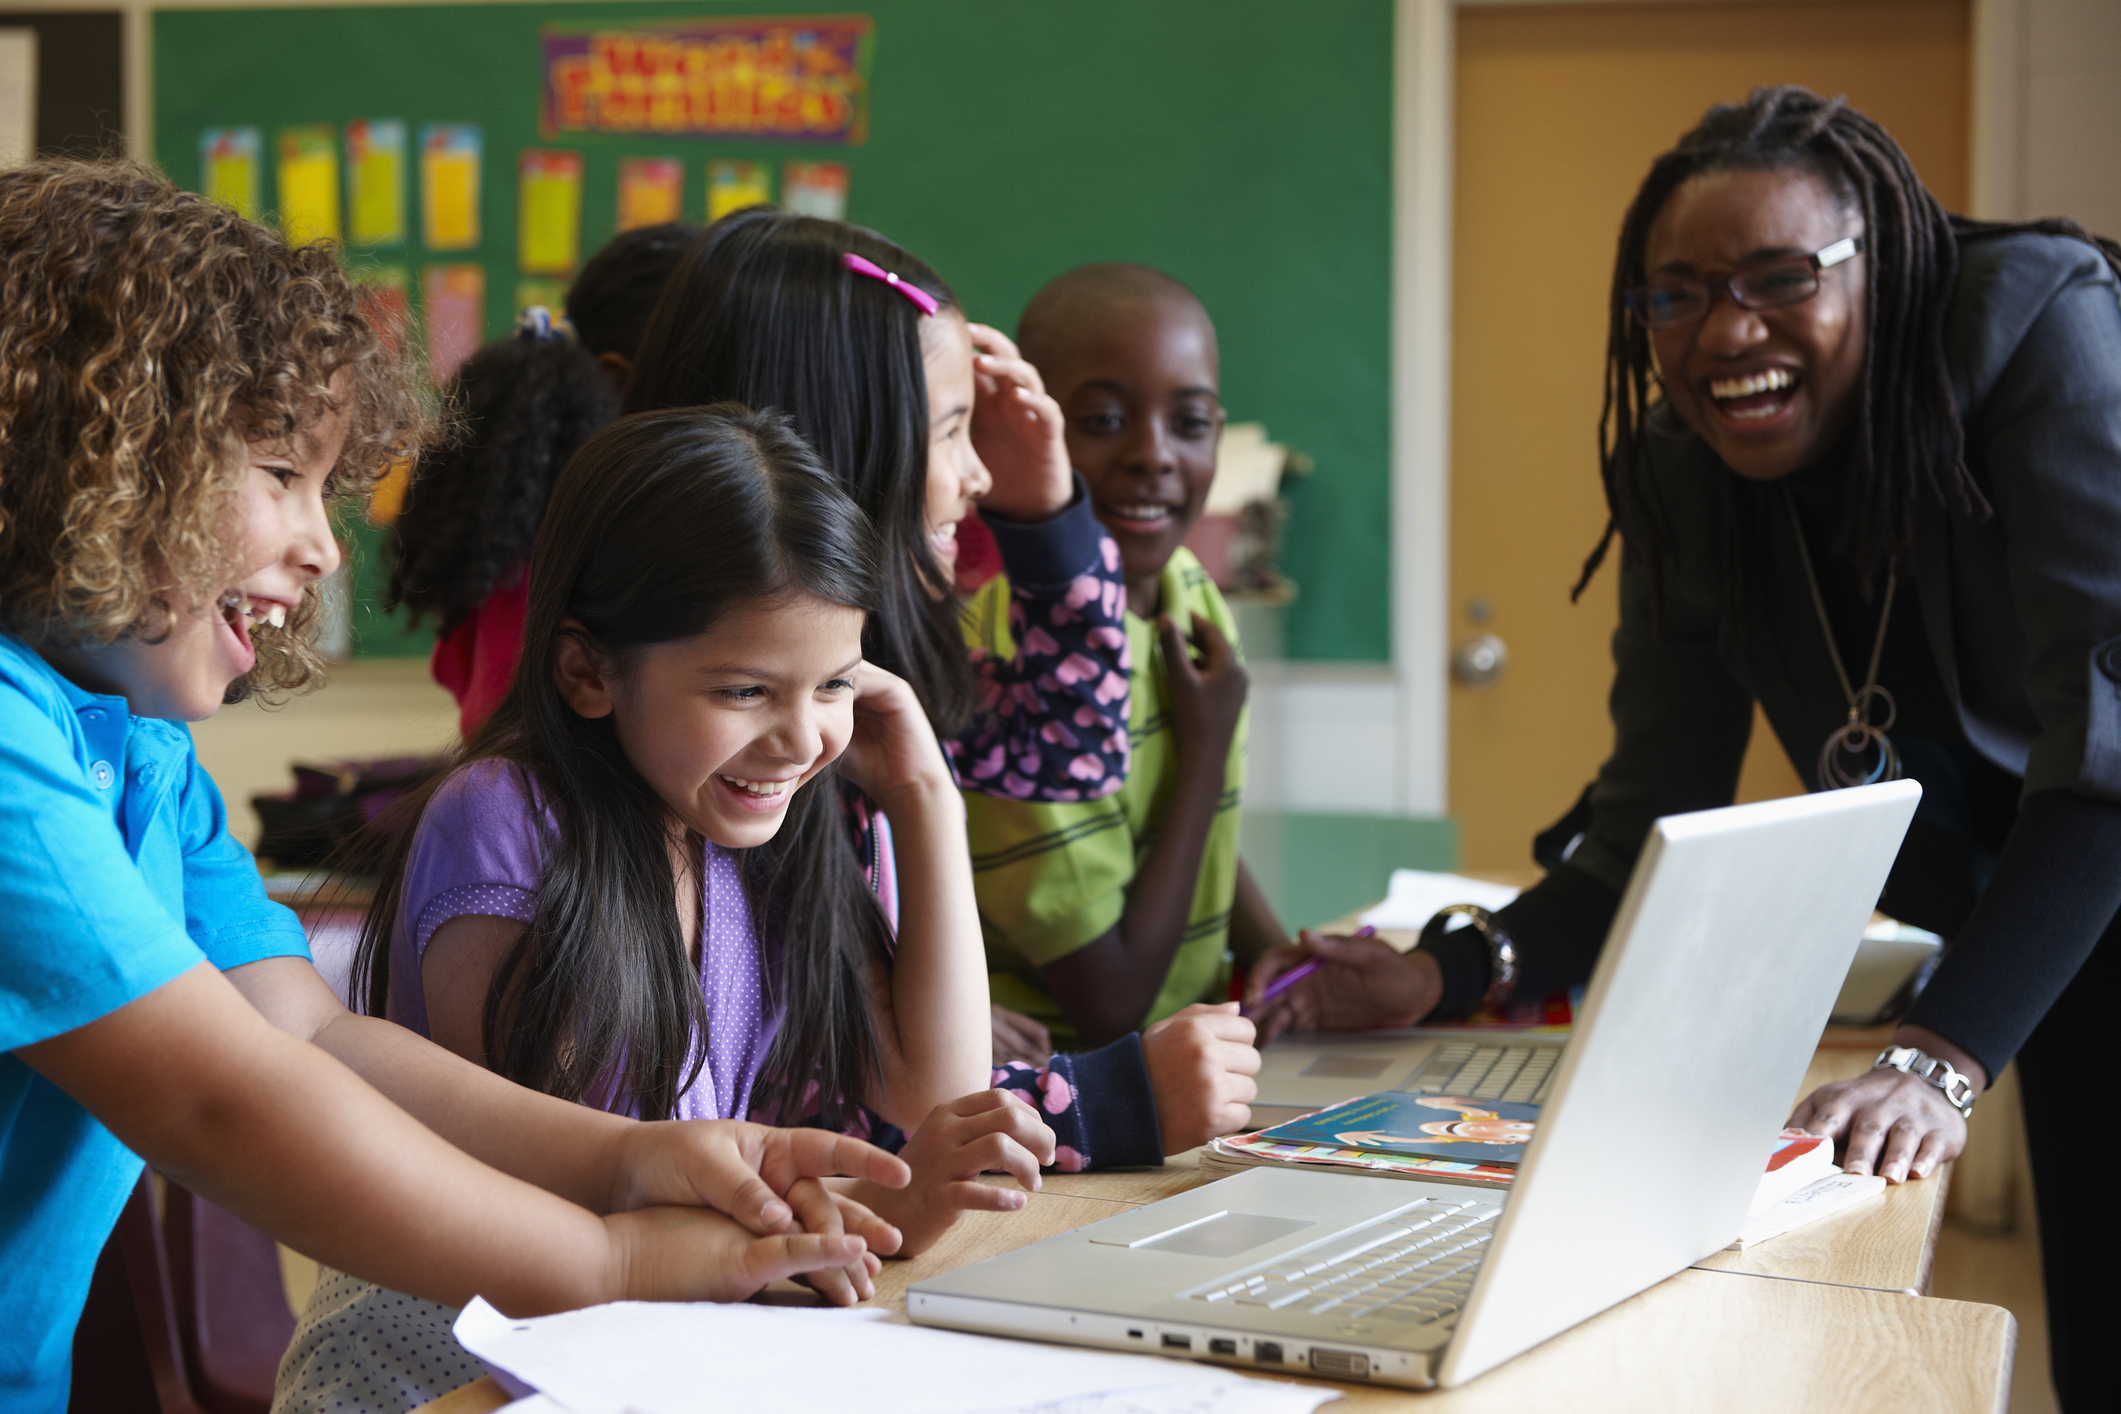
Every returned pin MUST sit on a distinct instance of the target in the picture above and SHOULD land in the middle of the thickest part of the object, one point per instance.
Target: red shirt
(477, 660)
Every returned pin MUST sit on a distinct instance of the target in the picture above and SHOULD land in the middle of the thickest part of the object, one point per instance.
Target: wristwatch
(1502, 953)
(1924, 1066)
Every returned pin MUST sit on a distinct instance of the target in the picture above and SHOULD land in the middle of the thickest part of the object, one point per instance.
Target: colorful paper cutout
(548, 212)
(651, 191)
(805, 80)
(453, 298)
(734, 185)
(385, 297)
(228, 168)
(815, 189)
(309, 183)
(375, 181)
(449, 185)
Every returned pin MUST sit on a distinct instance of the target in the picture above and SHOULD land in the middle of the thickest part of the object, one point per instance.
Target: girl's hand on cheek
(892, 754)
(959, 1141)
(1017, 431)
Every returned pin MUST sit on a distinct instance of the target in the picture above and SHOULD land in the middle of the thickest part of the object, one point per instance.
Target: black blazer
(2021, 610)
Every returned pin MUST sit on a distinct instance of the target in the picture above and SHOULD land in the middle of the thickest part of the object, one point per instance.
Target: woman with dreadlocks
(1864, 460)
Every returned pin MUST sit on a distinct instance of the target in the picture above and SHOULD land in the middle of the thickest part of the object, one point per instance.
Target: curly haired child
(180, 394)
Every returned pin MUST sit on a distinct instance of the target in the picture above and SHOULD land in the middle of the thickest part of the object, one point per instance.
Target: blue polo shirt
(117, 873)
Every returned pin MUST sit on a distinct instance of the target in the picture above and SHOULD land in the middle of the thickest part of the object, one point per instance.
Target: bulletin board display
(1242, 145)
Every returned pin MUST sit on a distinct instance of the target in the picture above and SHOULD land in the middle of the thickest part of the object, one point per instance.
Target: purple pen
(1302, 970)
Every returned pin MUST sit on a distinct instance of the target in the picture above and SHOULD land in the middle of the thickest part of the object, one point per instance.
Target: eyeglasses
(1772, 284)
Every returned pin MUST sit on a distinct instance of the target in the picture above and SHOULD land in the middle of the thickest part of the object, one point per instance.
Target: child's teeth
(277, 616)
(762, 788)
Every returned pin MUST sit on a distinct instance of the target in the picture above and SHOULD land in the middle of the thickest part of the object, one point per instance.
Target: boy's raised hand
(1017, 431)
(1201, 1062)
(959, 1141)
(1207, 696)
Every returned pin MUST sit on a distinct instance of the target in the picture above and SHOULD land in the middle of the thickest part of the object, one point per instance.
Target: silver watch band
(1502, 953)
(1922, 1065)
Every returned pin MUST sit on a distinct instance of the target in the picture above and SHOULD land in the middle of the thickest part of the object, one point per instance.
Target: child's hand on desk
(1363, 984)
(1017, 432)
(749, 1171)
(825, 1213)
(689, 1254)
(1201, 1063)
(959, 1141)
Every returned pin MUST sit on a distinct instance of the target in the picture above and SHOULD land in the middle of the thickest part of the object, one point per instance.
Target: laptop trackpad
(1226, 1235)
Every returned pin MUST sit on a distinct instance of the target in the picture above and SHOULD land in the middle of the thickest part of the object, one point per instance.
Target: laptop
(1716, 979)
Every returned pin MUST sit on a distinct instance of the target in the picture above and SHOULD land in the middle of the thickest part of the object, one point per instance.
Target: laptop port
(1340, 1364)
(1178, 1342)
(1266, 1352)
(1220, 1346)
(1136, 1335)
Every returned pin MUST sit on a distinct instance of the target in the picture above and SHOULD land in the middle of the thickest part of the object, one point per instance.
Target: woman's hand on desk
(1889, 1122)
(982, 1132)
(1361, 984)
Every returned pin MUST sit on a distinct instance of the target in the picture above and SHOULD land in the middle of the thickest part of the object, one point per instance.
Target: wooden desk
(1702, 1340)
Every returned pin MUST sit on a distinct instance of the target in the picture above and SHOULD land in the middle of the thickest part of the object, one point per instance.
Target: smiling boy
(1109, 915)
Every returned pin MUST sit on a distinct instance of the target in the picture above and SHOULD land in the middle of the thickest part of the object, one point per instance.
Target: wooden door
(1560, 110)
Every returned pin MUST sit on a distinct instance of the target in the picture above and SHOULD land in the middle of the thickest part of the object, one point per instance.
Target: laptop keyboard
(1414, 1268)
(1512, 1074)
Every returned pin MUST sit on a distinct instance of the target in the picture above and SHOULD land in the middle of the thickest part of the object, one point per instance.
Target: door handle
(1479, 660)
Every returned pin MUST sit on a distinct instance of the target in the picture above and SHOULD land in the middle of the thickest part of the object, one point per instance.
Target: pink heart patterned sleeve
(1052, 721)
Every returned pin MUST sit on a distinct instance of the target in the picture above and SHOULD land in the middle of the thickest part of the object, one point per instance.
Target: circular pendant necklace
(1858, 752)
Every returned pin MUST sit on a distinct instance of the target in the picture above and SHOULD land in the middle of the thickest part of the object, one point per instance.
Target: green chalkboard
(1242, 145)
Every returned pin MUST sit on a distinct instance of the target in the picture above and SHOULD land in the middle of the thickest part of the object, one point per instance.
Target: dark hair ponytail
(1907, 442)
(658, 526)
(762, 312)
(522, 406)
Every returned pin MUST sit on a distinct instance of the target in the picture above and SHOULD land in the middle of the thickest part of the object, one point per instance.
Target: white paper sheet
(654, 1358)
(1416, 894)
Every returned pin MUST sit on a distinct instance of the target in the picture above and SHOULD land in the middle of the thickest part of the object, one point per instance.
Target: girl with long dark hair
(864, 347)
(1864, 460)
(641, 886)
(922, 416)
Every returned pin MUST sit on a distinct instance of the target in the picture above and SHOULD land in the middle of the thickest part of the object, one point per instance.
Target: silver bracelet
(1922, 1065)
(1502, 953)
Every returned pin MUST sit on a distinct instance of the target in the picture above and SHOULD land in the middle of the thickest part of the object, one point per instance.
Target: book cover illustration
(1450, 1128)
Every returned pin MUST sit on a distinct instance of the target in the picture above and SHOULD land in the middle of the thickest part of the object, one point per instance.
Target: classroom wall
(80, 79)
(2048, 87)
(1242, 145)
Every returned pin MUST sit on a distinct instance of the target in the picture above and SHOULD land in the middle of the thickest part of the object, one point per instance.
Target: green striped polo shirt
(1052, 878)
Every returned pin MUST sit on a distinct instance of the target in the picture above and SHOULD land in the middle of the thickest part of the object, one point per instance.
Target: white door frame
(1425, 43)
